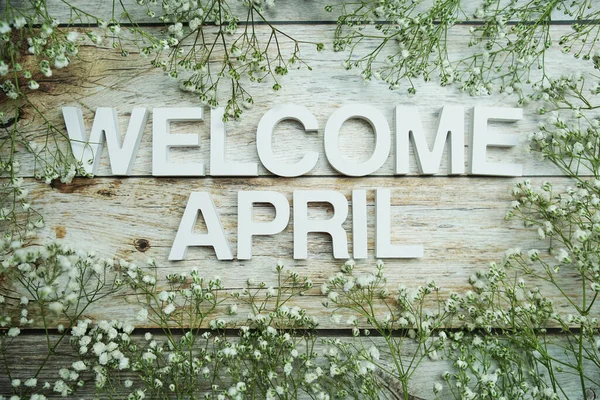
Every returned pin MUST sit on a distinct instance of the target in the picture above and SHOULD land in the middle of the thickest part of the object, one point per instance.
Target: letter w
(105, 124)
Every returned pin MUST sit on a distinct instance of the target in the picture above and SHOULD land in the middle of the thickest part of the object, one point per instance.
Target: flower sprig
(31, 46)
(506, 51)
(410, 42)
(52, 287)
(202, 58)
(367, 300)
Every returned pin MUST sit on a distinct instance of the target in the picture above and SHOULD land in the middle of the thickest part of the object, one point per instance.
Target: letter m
(450, 128)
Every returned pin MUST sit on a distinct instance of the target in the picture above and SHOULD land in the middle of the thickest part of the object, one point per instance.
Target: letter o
(382, 139)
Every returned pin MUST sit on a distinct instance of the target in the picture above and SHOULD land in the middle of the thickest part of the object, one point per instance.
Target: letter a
(215, 237)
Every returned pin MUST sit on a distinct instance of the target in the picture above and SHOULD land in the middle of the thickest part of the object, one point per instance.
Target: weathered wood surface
(310, 11)
(459, 221)
(105, 79)
(443, 214)
(112, 216)
(25, 352)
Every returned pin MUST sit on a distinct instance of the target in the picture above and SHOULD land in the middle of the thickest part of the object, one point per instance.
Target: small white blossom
(13, 332)
(19, 22)
(4, 27)
(142, 315)
(79, 366)
(3, 68)
(562, 256)
(169, 309)
(72, 36)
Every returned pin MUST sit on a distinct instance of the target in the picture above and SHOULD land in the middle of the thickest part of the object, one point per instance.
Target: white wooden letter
(218, 165)
(481, 140)
(450, 127)
(380, 128)
(333, 226)
(264, 136)
(383, 244)
(163, 140)
(246, 225)
(215, 236)
(105, 125)
(359, 224)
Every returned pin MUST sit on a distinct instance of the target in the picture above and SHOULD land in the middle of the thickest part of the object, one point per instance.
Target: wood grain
(26, 352)
(458, 221)
(104, 79)
(310, 11)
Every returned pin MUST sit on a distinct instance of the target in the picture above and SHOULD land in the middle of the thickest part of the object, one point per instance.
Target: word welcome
(408, 128)
(247, 228)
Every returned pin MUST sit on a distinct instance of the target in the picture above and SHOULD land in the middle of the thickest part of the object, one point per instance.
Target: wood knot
(11, 121)
(106, 193)
(61, 232)
(72, 187)
(141, 245)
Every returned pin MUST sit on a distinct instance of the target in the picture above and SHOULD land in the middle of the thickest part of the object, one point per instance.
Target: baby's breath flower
(4, 27)
(31, 382)
(79, 366)
(169, 309)
(13, 332)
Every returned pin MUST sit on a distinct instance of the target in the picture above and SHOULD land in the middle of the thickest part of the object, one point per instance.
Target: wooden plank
(104, 79)
(282, 11)
(458, 221)
(26, 353)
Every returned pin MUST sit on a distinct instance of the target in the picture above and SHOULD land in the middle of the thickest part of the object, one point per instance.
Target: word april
(247, 228)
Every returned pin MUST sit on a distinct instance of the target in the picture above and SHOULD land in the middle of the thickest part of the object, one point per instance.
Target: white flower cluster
(484, 309)
(407, 42)
(489, 367)
(18, 217)
(367, 300)
(101, 348)
(244, 56)
(567, 143)
(347, 291)
(16, 186)
(571, 218)
(506, 50)
(29, 29)
(57, 280)
(188, 301)
(53, 47)
(58, 284)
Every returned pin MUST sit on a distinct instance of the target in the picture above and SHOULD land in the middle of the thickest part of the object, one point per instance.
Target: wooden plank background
(105, 78)
(420, 388)
(459, 220)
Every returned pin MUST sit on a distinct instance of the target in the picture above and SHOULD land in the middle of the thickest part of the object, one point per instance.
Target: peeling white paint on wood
(26, 353)
(310, 11)
(458, 220)
(104, 79)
